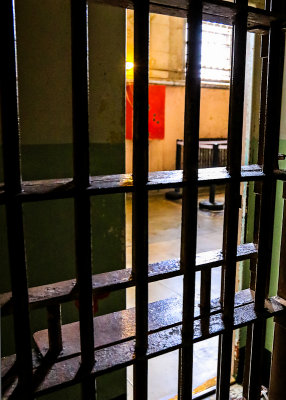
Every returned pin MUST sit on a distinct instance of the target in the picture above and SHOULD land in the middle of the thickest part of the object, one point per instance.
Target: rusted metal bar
(274, 92)
(257, 191)
(263, 93)
(205, 292)
(232, 195)
(278, 366)
(123, 183)
(52, 294)
(112, 330)
(140, 194)
(190, 191)
(267, 5)
(55, 329)
(247, 360)
(67, 372)
(277, 378)
(14, 215)
(79, 26)
(213, 11)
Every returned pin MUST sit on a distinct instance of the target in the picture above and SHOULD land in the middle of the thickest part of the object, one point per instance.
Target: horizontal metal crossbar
(58, 373)
(213, 11)
(123, 183)
(119, 326)
(60, 292)
(64, 291)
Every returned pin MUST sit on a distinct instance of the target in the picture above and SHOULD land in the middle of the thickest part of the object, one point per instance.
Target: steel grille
(25, 376)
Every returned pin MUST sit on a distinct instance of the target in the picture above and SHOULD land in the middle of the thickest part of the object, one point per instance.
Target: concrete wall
(166, 47)
(44, 65)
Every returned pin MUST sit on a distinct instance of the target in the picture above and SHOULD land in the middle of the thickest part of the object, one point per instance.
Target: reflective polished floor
(164, 244)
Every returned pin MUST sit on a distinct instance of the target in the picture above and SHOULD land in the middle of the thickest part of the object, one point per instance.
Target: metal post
(14, 213)
(211, 204)
(79, 26)
(140, 194)
(55, 329)
(176, 194)
(190, 192)
(277, 379)
(232, 195)
(274, 93)
(257, 191)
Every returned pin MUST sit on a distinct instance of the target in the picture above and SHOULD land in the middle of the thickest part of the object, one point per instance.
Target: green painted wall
(251, 196)
(44, 65)
(278, 215)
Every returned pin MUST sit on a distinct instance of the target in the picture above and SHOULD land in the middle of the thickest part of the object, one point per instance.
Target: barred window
(216, 53)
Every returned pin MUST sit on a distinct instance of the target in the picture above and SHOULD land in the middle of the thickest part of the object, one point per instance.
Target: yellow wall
(213, 124)
(167, 63)
(166, 47)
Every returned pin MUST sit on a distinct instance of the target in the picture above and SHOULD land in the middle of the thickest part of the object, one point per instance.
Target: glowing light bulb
(129, 65)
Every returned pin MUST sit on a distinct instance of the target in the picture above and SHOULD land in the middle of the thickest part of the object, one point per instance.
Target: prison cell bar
(118, 355)
(272, 130)
(264, 42)
(79, 37)
(190, 192)
(114, 332)
(140, 194)
(165, 181)
(55, 329)
(277, 379)
(14, 214)
(52, 294)
(123, 183)
(263, 94)
(232, 202)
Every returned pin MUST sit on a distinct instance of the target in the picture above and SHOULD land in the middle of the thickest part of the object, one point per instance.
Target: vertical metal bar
(140, 194)
(257, 191)
(205, 292)
(247, 359)
(178, 158)
(12, 179)
(178, 154)
(232, 202)
(267, 5)
(190, 190)
(214, 164)
(278, 6)
(274, 94)
(180, 382)
(263, 93)
(277, 380)
(55, 329)
(79, 26)
(205, 299)
(278, 367)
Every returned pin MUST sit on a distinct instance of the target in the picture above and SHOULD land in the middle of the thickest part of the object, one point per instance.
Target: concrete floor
(164, 243)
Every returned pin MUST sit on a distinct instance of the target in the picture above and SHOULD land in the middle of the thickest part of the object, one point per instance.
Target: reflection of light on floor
(235, 390)
(206, 385)
(164, 243)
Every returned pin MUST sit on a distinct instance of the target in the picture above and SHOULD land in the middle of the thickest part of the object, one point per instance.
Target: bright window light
(216, 53)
